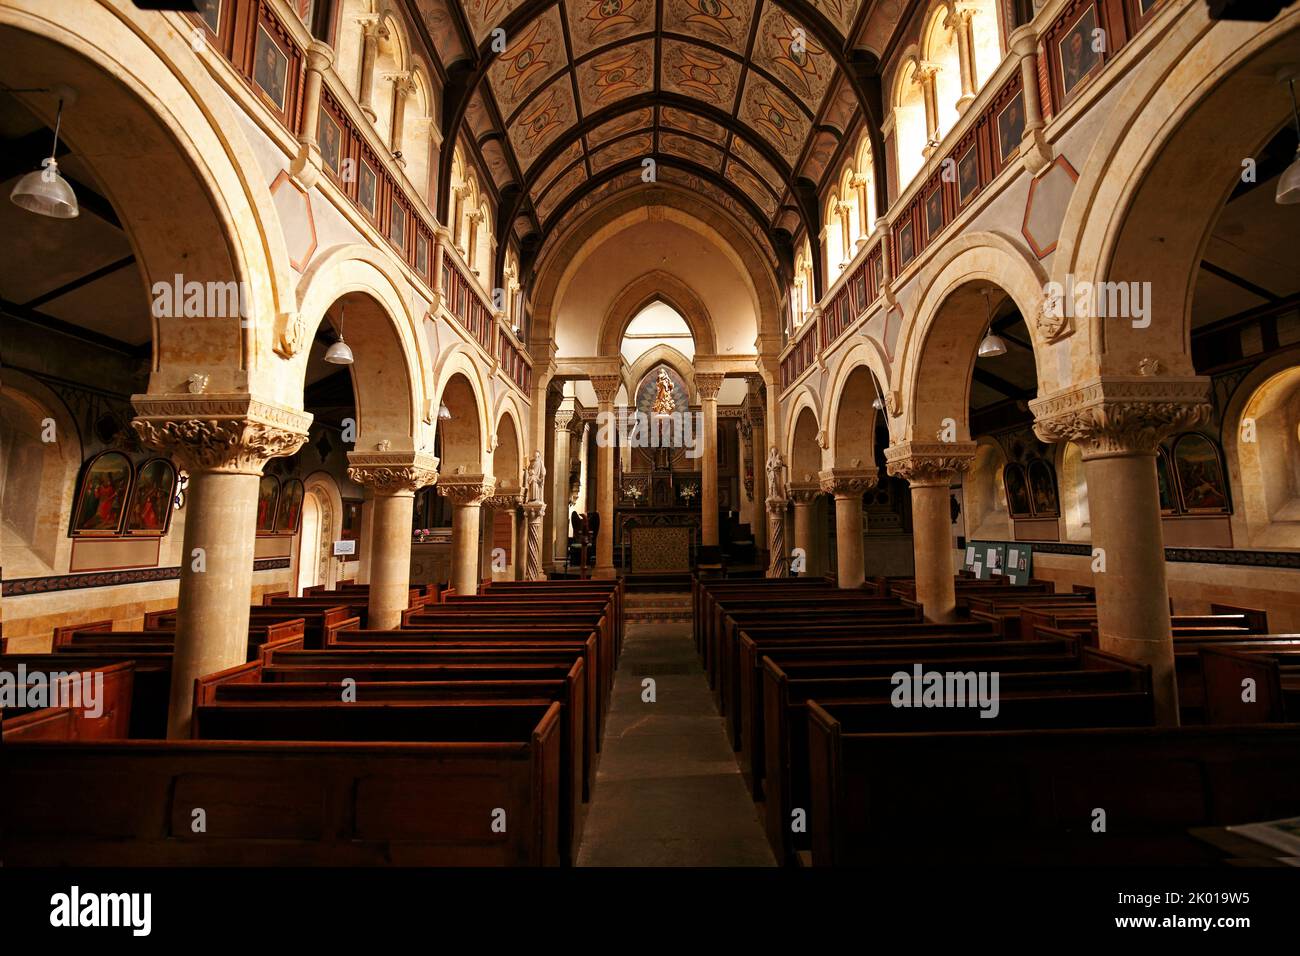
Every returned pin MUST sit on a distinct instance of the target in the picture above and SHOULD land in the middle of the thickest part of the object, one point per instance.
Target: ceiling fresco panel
(774, 116)
(698, 72)
(596, 23)
(530, 59)
(786, 49)
(625, 70)
(703, 153)
(545, 116)
(725, 22)
(615, 153)
(641, 119)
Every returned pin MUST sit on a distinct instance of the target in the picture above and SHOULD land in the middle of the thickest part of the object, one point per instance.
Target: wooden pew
(1028, 797)
(316, 621)
(612, 587)
(259, 634)
(65, 722)
(1095, 689)
(857, 658)
(151, 676)
(1276, 691)
(332, 803)
(741, 676)
(390, 700)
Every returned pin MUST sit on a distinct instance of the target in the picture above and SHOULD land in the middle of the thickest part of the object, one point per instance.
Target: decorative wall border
(1288, 560)
(105, 579)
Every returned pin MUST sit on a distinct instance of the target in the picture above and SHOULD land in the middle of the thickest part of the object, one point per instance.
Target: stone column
(486, 532)
(925, 77)
(392, 478)
(805, 527)
(533, 513)
(606, 387)
(1034, 148)
(403, 86)
(559, 547)
(778, 560)
(758, 442)
(848, 485)
(930, 469)
(471, 241)
(466, 494)
(708, 384)
(372, 31)
(223, 441)
(959, 22)
(1118, 423)
(306, 165)
(846, 233)
(521, 543)
(864, 225)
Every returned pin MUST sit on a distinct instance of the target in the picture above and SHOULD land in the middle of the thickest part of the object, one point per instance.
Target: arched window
(484, 252)
(851, 216)
(910, 133)
(986, 40)
(984, 496)
(349, 44)
(833, 238)
(939, 50)
(865, 182)
(414, 143)
(390, 69)
(1266, 469)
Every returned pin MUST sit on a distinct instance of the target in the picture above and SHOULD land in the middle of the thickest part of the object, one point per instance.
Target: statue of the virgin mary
(663, 403)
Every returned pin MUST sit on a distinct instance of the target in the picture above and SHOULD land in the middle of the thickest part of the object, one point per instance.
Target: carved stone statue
(775, 474)
(663, 403)
(534, 480)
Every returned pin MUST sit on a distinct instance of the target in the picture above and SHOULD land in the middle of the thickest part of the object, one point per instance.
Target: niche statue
(534, 480)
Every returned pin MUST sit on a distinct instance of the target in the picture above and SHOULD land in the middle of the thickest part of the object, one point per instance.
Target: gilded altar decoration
(663, 403)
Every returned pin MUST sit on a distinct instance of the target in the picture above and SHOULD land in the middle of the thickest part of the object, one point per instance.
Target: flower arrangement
(421, 533)
(688, 492)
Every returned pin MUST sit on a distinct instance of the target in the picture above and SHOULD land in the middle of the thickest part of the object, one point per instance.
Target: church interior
(650, 433)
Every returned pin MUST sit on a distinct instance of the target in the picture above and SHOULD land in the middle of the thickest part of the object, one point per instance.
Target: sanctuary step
(646, 607)
(657, 582)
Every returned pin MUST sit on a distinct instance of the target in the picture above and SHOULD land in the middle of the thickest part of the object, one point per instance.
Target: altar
(657, 540)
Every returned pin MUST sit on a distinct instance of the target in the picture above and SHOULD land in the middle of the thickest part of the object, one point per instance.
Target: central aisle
(668, 790)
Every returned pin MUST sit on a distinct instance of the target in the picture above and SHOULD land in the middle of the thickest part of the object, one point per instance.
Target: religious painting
(1079, 59)
(968, 175)
(421, 254)
(397, 224)
(210, 11)
(1042, 490)
(934, 212)
(906, 244)
(330, 139)
(1168, 500)
(1011, 127)
(1013, 477)
(1200, 475)
(663, 405)
(268, 496)
(150, 510)
(102, 498)
(290, 511)
(366, 183)
(878, 271)
(270, 67)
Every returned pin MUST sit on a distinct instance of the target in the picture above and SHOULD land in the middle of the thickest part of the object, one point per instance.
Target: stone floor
(668, 788)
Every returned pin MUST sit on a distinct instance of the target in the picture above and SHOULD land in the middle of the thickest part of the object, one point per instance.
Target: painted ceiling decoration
(744, 96)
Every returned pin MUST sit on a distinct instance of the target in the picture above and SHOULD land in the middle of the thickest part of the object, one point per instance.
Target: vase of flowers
(688, 492)
(421, 533)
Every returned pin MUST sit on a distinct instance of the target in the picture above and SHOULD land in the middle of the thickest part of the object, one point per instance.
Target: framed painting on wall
(1011, 128)
(1079, 56)
(268, 496)
(270, 68)
(150, 511)
(329, 139)
(1013, 477)
(102, 495)
(1042, 490)
(289, 514)
(934, 213)
(968, 175)
(1199, 471)
(906, 244)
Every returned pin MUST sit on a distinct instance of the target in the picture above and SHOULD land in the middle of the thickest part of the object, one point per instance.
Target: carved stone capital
(392, 473)
(1121, 416)
(504, 502)
(606, 387)
(229, 432)
(563, 419)
(709, 383)
(848, 482)
(929, 463)
(467, 489)
(320, 56)
(801, 493)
